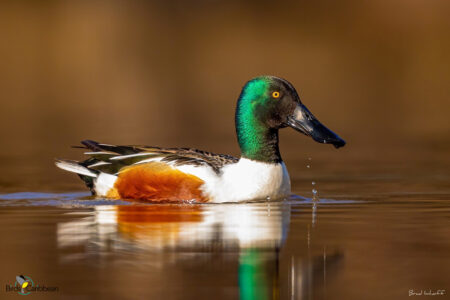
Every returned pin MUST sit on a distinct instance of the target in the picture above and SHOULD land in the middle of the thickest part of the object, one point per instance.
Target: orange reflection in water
(158, 225)
(155, 214)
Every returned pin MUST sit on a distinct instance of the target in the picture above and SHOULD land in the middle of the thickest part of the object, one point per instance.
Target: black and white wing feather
(110, 158)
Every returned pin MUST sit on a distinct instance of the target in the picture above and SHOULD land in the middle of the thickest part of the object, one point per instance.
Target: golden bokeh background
(169, 72)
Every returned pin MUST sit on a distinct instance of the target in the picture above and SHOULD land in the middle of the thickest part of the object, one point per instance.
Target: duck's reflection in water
(238, 243)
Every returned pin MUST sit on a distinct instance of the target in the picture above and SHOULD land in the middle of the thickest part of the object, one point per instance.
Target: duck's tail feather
(84, 173)
(75, 167)
(93, 145)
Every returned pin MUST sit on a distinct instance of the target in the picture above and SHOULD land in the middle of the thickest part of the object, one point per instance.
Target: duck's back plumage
(111, 158)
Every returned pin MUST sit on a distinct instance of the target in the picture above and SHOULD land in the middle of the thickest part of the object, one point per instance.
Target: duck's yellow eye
(276, 94)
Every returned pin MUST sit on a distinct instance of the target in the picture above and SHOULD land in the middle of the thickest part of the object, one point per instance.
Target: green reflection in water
(253, 281)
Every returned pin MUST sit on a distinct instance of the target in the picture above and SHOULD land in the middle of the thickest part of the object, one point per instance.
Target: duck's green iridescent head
(266, 104)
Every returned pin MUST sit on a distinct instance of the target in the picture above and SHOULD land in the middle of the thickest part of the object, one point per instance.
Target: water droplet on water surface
(313, 183)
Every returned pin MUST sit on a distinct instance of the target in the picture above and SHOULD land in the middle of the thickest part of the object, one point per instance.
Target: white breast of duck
(245, 180)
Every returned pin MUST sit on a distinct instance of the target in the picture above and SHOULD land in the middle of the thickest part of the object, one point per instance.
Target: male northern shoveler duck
(265, 105)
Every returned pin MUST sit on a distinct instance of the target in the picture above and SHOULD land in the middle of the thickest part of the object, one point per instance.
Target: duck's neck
(257, 142)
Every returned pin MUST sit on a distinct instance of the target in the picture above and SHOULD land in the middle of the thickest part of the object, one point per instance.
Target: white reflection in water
(159, 227)
(254, 231)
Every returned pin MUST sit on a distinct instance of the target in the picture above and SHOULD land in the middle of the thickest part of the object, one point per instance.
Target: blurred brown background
(169, 72)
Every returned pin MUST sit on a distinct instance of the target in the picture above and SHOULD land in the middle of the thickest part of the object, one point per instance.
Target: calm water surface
(376, 231)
